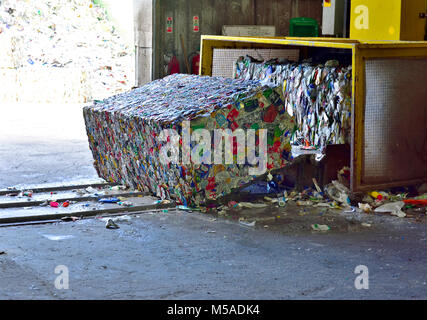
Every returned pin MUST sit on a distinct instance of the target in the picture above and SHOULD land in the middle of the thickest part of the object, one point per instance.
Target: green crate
(303, 27)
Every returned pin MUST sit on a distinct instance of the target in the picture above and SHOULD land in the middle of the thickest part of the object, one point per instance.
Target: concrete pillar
(143, 26)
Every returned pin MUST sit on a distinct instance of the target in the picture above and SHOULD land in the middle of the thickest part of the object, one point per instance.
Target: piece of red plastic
(54, 204)
(421, 202)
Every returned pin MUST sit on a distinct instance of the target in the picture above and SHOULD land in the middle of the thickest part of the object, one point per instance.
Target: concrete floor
(183, 255)
(43, 143)
(178, 256)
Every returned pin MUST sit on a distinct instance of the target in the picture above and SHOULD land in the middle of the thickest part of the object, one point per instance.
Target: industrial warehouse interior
(189, 151)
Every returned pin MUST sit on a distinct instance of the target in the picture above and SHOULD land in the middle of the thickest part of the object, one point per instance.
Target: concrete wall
(150, 25)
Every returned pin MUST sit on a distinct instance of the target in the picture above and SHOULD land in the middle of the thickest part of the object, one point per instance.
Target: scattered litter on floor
(117, 188)
(352, 210)
(247, 223)
(54, 204)
(184, 208)
(416, 202)
(73, 219)
(338, 192)
(304, 203)
(323, 204)
(376, 195)
(365, 207)
(164, 201)
(251, 205)
(93, 191)
(264, 219)
(395, 208)
(109, 200)
(320, 227)
(302, 213)
(58, 238)
(117, 219)
(28, 194)
(111, 224)
(316, 185)
(125, 203)
(233, 204)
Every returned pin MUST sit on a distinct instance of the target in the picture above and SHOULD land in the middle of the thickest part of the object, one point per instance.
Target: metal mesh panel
(395, 139)
(224, 59)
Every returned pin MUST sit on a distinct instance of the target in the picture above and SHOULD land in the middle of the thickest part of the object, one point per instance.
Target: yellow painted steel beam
(209, 42)
(310, 42)
(323, 39)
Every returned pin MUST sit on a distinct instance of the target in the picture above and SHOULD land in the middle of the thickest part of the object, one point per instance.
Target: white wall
(143, 29)
(121, 12)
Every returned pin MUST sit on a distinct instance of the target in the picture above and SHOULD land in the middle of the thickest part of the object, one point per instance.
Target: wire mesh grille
(395, 127)
(224, 59)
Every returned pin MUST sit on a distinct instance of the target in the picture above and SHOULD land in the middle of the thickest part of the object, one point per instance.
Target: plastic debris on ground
(365, 207)
(395, 208)
(164, 201)
(111, 224)
(54, 204)
(125, 203)
(337, 196)
(109, 200)
(393, 203)
(184, 208)
(416, 202)
(251, 205)
(58, 238)
(246, 223)
(73, 219)
(338, 192)
(91, 190)
(61, 51)
(118, 218)
(262, 187)
(320, 227)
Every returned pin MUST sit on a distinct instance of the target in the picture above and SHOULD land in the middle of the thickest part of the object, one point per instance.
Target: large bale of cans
(130, 133)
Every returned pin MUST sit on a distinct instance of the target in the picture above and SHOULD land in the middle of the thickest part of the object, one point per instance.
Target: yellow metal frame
(361, 50)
